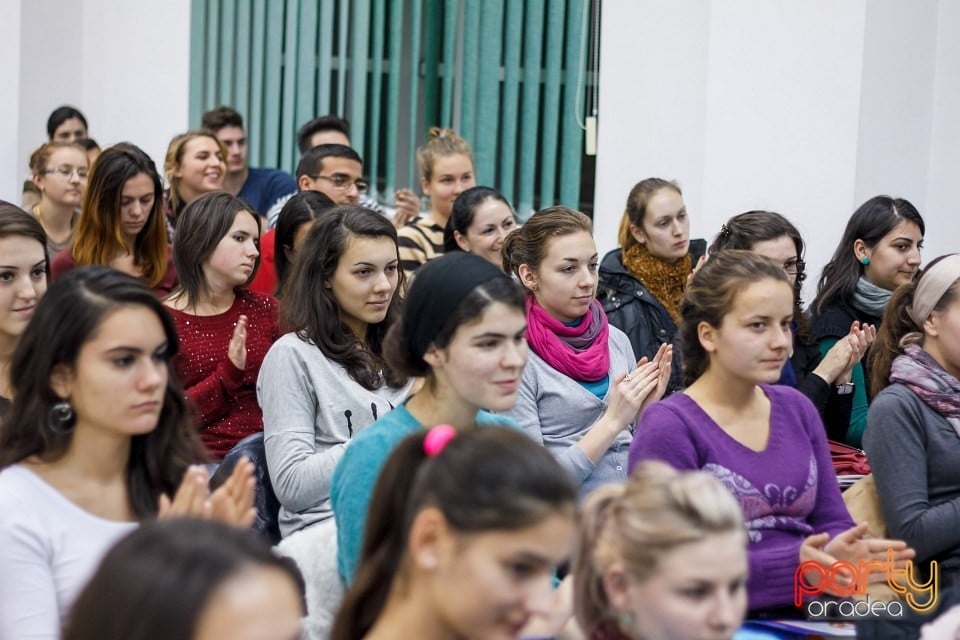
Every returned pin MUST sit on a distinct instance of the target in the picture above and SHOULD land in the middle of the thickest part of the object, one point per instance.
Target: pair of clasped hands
(645, 384)
(231, 503)
(855, 547)
(838, 363)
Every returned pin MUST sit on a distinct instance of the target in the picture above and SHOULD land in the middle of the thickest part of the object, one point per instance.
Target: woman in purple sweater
(765, 442)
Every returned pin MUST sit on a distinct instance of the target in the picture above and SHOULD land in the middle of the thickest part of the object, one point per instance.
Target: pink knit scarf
(580, 352)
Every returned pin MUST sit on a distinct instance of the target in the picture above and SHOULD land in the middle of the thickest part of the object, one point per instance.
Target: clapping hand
(231, 503)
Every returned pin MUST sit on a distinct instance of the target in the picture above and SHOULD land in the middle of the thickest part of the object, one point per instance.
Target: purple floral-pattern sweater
(787, 492)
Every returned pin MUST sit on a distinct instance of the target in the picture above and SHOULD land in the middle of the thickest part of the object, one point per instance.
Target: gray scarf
(869, 298)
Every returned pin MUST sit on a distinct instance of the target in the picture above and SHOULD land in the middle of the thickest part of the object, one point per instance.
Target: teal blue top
(356, 475)
(598, 388)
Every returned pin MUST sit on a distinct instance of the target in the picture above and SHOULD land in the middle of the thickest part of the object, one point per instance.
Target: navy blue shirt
(265, 188)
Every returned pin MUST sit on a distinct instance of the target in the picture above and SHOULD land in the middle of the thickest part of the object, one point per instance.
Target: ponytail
(625, 239)
(484, 479)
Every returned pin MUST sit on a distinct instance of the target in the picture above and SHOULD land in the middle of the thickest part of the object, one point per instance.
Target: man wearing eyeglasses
(333, 169)
(331, 129)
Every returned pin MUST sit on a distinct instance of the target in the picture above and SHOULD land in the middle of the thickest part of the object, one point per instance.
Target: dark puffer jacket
(631, 308)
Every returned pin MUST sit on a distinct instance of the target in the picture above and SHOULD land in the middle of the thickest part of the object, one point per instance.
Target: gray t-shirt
(311, 410)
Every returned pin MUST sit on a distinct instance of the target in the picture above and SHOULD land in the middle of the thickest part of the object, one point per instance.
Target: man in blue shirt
(264, 189)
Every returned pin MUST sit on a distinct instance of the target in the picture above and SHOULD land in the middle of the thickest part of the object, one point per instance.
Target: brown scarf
(665, 281)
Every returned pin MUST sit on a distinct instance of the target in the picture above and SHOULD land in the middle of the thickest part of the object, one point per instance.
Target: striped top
(419, 242)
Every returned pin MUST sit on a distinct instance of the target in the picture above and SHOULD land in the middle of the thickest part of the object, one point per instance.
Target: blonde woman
(60, 173)
(195, 164)
(446, 170)
(662, 556)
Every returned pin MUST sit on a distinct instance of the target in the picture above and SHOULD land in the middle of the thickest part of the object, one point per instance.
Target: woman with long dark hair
(462, 329)
(122, 223)
(326, 380)
(23, 281)
(98, 439)
(225, 329)
(825, 379)
(879, 251)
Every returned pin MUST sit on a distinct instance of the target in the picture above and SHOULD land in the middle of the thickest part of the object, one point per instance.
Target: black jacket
(834, 408)
(631, 308)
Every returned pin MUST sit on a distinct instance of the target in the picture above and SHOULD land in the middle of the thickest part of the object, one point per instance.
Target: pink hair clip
(437, 438)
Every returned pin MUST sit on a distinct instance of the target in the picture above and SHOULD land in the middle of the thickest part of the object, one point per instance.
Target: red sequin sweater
(225, 397)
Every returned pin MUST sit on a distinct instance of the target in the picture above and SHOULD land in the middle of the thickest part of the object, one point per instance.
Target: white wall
(137, 77)
(805, 107)
(653, 102)
(125, 65)
(51, 70)
(9, 100)
(943, 180)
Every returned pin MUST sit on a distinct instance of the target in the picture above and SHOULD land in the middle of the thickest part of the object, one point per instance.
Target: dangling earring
(865, 260)
(627, 620)
(61, 418)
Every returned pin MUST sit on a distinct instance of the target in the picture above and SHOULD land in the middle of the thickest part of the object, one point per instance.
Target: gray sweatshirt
(556, 411)
(913, 452)
(311, 410)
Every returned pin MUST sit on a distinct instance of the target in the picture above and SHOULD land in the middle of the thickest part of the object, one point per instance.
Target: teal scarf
(869, 298)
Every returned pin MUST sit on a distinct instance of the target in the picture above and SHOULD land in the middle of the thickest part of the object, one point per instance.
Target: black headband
(437, 288)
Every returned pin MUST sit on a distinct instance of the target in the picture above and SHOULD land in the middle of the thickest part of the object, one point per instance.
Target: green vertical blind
(508, 75)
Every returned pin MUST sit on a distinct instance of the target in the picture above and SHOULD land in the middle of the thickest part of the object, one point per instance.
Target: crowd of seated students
(482, 449)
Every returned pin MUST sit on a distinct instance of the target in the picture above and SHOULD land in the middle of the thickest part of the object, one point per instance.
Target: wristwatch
(844, 388)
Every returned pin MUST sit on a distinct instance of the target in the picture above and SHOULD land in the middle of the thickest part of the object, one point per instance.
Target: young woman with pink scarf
(582, 390)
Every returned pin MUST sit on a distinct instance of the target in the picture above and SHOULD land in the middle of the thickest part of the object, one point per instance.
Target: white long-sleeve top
(49, 549)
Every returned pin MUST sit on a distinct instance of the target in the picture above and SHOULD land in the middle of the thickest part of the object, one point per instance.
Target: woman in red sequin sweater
(225, 330)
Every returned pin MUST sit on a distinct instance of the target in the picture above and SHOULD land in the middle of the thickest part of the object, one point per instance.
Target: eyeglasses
(793, 267)
(66, 171)
(343, 182)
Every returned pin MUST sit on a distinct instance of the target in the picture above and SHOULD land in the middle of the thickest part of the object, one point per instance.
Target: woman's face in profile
(259, 603)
